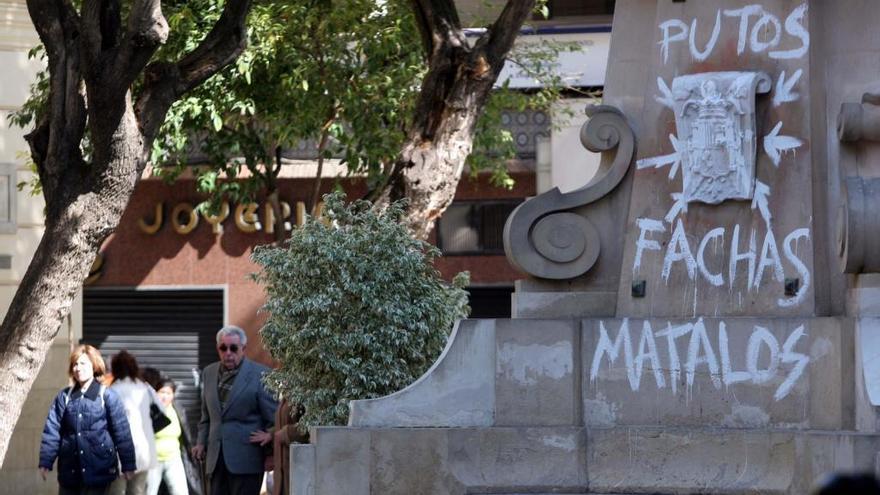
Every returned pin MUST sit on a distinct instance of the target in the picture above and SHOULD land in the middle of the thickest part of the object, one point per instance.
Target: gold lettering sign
(246, 218)
(152, 227)
(192, 218)
(216, 221)
(185, 217)
(269, 216)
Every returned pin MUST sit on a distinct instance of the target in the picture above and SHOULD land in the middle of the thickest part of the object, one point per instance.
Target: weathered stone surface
(303, 469)
(519, 458)
(342, 460)
(670, 460)
(459, 390)
(536, 379)
(411, 461)
(678, 460)
(738, 372)
(454, 461)
(867, 375)
(863, 298)
(562, 304)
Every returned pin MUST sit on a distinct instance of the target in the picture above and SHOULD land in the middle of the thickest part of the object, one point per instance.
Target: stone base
(615, 406)
(459, 461)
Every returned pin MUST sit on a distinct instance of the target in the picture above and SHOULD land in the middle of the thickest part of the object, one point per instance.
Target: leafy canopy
(355, 309)
(341, 78)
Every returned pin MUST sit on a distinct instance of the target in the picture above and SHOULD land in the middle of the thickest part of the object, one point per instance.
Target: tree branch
(164, 82)
(55, 142)
(147, 30)
(438, 24)
(501, 34)
(101, 27)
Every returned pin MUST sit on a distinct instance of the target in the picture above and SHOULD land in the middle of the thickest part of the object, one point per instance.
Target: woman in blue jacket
(87, 431)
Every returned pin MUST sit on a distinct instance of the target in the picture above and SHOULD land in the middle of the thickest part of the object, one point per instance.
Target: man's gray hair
(232, 330)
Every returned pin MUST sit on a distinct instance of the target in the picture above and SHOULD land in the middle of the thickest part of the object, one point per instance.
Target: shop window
(474, 227)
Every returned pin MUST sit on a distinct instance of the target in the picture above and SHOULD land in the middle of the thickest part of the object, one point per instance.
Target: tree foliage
(355, 309)
(341, 79)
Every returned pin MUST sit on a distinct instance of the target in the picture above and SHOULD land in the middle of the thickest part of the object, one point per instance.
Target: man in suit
(237, 418)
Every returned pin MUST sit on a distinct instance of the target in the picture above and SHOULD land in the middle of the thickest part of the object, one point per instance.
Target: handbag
(159, 419)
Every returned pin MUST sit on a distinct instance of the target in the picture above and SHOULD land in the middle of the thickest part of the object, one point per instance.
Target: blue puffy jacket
(87, 433)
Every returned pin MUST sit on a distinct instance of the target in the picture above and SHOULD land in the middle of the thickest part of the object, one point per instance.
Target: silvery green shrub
(355, 307)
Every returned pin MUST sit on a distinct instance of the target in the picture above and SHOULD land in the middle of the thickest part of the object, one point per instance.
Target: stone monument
(703, 316)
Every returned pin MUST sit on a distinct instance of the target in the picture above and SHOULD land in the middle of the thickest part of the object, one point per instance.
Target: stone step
(574, 460)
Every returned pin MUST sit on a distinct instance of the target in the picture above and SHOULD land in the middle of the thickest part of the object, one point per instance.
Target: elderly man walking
(237, 418)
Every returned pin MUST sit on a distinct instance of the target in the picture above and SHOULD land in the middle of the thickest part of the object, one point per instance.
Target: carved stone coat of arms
(715, 118)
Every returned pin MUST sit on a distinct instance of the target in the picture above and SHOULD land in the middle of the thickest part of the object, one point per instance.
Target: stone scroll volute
(543, 237)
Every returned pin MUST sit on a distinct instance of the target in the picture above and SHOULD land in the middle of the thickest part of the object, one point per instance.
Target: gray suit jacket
(249, 407)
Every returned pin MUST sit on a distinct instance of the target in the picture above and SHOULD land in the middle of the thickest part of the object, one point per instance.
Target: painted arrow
(673, 159)
(774, 144)
(784, 88)
(665, 98)
(679, 206)
(759, 201)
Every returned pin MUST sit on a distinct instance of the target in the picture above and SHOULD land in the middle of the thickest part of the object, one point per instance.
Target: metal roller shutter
(170, 330)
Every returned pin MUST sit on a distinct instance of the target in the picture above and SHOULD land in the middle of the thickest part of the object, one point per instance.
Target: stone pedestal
(726, 405)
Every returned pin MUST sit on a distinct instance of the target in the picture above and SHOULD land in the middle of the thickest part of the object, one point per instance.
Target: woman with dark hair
(86, 430)
(151, 376)
(170, 442)
(136, 397)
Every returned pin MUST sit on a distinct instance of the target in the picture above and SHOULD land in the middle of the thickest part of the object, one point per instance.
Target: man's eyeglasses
(232, 347)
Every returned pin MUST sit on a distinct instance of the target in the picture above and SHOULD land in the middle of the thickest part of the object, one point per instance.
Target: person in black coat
(86, 431)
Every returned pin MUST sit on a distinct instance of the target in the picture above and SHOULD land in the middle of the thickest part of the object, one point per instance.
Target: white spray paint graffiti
(674, 31)
(774, 144)
(705, 266)
(785, 88)
(701, 354)
(761, 32)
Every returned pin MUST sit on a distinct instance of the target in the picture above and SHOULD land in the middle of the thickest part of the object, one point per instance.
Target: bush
(356, 309)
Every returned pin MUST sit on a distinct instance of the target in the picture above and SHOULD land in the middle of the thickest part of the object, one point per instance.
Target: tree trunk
(452, 97)
(84, 214)
(45, 295)
(430, 168)
(88, 53)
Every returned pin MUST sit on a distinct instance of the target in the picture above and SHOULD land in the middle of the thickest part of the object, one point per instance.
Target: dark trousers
(225, 483)
(85, 490)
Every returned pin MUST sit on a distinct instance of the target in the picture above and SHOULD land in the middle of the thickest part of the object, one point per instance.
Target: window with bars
(474, 227)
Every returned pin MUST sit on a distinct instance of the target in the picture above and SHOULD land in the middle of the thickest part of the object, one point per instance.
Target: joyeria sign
(248, 218)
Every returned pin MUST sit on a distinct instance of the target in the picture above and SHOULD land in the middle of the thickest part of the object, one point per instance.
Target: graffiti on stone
(760, 30)
(765, 361)
(717, 149)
